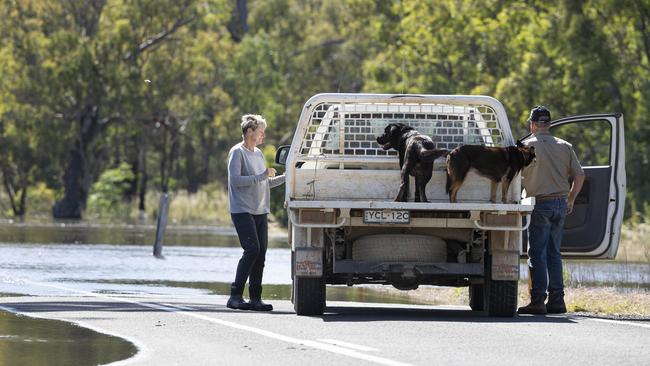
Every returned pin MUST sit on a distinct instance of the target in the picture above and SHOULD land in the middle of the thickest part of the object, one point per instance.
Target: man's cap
(540, 114)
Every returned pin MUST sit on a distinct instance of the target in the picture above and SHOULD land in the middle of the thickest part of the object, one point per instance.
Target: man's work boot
(259, 305)
(535, 307)
(555, 303)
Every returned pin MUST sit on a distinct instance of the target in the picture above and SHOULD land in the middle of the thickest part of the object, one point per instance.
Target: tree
(97, 55)
(160, 85)
(27, 126)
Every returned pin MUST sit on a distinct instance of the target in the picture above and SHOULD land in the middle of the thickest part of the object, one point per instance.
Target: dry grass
(209, 205)
(609, 301)
(635, 242)
(598, 300)
(430, 295)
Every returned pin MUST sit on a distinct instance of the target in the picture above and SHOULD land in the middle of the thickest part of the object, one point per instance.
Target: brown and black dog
(416, 155)
(499, 164)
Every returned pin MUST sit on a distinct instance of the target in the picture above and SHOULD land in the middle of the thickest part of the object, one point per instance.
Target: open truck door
(593, 229)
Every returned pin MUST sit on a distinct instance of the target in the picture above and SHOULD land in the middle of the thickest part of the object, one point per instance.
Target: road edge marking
(613, 321)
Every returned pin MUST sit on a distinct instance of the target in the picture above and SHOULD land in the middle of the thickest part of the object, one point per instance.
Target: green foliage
(109, 192)
(160, 85)
(41, 198)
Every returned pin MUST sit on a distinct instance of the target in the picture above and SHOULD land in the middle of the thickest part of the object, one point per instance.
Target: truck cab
(346, 229)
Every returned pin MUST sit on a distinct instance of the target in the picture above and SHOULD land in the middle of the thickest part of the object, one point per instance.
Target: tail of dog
(432, 154)
(449, 180)
(457, 168)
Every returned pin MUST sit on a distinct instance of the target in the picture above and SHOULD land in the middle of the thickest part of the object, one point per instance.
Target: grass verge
(634, 245)
(607, 301)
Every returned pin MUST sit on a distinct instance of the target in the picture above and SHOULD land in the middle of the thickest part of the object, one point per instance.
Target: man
(547, 179)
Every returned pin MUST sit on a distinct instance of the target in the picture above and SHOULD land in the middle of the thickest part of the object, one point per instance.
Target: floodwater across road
(26, 340)
(118, 258)
(99, 276)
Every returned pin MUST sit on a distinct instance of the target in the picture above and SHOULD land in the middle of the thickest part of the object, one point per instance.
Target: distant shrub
(40, 200)
(107, 195)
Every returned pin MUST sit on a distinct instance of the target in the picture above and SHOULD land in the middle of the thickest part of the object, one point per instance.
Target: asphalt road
(200, 330)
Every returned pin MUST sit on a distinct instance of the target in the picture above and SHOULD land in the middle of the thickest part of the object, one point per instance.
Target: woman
(249, 182)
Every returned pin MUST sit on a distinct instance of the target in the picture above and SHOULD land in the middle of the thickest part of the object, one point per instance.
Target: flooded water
(608, 273)
(31, 341)
(86, 233)
(118, 258)
(51, 259)
(131, 269)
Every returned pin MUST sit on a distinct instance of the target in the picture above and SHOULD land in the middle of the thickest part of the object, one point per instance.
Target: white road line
(348, 345)
(266, 333)
(178, 306)
(619, 322)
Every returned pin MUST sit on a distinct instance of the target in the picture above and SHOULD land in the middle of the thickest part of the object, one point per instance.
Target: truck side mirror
(281, 154)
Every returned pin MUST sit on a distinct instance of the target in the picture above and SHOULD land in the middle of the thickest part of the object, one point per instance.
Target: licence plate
(386, 217)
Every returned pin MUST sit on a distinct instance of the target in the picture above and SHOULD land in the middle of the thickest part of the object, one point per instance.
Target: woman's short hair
(252, 121)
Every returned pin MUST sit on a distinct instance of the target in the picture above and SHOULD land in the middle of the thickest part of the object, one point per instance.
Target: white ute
(346, 229)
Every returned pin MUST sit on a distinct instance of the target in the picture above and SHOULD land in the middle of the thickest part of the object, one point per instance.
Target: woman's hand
(271, 172)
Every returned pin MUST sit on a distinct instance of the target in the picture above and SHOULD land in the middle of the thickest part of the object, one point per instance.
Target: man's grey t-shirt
(248, 182)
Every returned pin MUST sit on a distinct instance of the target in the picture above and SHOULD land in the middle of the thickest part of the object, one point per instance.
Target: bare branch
(142, 47)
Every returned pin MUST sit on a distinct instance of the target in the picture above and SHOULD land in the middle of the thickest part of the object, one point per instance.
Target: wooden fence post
(160, 226)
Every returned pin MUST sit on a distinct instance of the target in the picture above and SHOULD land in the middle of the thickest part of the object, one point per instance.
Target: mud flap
(309, 262)
(505, 265)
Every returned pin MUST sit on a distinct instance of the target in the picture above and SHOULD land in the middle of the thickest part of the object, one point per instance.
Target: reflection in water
(115, 259)
(89, 267)
(625, 276)
(84, 233)
(41, 259)
(30, 341)
(366, 293)
(23, 263)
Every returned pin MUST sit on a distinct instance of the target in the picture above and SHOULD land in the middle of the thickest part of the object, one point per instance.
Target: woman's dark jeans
(253, 236)
(544, 239)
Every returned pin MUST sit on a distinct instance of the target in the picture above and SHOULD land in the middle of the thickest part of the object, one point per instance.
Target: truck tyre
(399, 248)
(500, 296)
(476, 297)
(309, 295)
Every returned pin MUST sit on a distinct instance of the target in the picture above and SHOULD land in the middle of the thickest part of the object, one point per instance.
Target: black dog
(499, 164)
(416, 155)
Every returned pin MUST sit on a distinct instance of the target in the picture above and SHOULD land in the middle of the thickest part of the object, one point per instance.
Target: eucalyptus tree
(573, 56)
(94, 51)
(30, 132)
(627, 29)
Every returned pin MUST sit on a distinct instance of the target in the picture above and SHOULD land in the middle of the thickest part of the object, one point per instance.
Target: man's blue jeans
(544, 239)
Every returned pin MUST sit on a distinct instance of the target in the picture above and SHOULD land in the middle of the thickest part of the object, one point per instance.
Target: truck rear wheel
(476, 297)
(500, 296)
(309, 295)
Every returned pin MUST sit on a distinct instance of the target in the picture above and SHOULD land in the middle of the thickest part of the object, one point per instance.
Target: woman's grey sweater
(248, 181)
